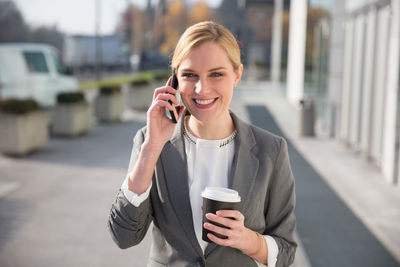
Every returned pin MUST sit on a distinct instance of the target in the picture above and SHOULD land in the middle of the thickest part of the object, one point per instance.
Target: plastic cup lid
(221, 194)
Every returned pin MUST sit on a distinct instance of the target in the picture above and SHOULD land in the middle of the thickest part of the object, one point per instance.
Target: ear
(238, 73)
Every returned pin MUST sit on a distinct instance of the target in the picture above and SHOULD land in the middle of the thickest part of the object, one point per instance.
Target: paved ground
(54, 203)
(347, 214)
(57, 215)
(327, 227)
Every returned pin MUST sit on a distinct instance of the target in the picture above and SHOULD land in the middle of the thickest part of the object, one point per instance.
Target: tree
(199, 12)
(135, 26)
(159, 28)
(175, 23)
(47, 35)
(13, 27)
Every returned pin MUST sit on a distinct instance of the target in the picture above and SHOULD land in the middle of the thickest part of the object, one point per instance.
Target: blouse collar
(218, 143)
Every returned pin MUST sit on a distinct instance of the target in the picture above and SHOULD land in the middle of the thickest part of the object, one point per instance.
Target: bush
(109, 90)
(70, 98)
(18, 106)
(161, 75)
(143, 78)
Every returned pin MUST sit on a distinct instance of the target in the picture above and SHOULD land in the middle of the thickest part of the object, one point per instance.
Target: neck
(213, 130)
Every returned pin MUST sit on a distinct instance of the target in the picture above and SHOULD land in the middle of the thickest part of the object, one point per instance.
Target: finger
(169, 81)
(167, 97)
(237, 215)
(221, 220)
(163, 90)
(217, 229)
(159, 104)
(219, 241)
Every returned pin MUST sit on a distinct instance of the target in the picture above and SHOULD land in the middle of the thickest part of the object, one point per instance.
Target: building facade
(362, 101)
(363, 87)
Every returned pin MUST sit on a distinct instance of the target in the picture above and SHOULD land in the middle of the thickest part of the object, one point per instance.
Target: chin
(203, 116)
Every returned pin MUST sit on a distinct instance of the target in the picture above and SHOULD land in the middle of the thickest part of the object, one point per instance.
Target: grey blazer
(261, 174)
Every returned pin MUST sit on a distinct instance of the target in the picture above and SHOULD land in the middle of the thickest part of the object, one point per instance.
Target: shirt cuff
(132, 197)
(272, 252)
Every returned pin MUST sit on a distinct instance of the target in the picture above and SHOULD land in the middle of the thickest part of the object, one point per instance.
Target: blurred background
(76, 79)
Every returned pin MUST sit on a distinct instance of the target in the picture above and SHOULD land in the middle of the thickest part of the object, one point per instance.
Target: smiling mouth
(204, 101)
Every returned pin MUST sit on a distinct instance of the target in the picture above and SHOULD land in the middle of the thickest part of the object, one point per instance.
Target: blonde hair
(206, 31)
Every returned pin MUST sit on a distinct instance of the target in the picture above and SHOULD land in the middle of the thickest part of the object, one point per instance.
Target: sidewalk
(359, 185)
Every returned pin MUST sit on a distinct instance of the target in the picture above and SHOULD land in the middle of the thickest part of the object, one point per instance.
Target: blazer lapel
(175, 167)
(245, 164)
(244, 167)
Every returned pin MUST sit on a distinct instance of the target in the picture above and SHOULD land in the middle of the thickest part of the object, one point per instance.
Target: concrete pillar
(346, 82)
(276, 41)
(390, 156)
(297, 45)
(380, 81)
(357, 81)
(368, 74)
(336, 62)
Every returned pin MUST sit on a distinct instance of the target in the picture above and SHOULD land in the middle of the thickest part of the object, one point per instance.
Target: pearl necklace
(222, 144)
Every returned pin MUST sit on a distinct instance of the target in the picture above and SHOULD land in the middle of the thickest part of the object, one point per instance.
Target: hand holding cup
(223, 224)
(217, 199)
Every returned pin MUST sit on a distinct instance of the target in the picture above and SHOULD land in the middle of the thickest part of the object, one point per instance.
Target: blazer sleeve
(280, 216)
(128, 224)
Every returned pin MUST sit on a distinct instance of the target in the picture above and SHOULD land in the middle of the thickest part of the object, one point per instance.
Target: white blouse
(209, 164)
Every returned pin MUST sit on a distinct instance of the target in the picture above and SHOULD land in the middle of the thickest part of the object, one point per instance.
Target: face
(206, 80)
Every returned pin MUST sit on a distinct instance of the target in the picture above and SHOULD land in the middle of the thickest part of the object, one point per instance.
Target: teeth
(204, 102)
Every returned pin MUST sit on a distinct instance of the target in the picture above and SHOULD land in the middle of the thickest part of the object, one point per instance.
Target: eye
(188, 75)
(217, 74)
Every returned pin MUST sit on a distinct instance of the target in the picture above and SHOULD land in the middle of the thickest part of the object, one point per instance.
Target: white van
(34, 71)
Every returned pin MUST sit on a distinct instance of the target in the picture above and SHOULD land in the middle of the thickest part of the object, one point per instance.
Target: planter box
(159, 83)
(21, 134)
(72, 119)
(141, 96)
(109, 107)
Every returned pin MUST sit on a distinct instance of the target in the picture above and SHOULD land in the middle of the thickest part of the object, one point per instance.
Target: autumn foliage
(159, 28)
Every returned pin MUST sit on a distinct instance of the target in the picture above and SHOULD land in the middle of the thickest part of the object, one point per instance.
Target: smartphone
(174, 112)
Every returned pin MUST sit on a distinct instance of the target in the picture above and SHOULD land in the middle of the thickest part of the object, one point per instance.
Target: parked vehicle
(29, 70)
(80, 53)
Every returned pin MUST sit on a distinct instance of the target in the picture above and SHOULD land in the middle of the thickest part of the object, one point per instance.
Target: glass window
(36, 62)
(56, 58)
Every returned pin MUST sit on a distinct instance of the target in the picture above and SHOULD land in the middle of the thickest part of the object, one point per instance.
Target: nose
(201, 86)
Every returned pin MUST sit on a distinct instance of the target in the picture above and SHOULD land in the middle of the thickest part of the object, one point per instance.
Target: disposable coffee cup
(215, 199)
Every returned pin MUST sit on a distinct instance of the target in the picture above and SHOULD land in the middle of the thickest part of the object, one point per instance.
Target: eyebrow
(211, 70)
(219, 68)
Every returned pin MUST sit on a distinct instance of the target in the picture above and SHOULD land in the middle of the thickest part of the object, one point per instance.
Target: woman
(172, 163)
